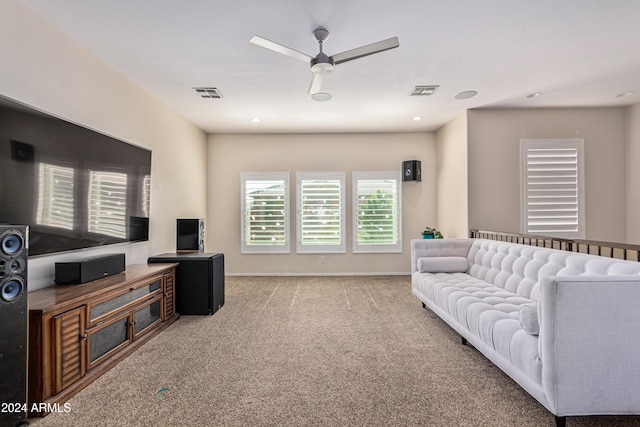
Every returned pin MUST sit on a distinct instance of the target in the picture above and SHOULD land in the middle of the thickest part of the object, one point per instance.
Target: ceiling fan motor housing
(322, 63)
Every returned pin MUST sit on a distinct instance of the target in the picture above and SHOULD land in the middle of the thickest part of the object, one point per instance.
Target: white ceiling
(575, 52)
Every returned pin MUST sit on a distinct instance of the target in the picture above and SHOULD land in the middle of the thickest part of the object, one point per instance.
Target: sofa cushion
(443, 264)
(488, 312)
(528, 316)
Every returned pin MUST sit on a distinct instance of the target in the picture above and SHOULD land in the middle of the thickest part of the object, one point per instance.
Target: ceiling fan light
(321, 96)
(322, 67)
(322, 64)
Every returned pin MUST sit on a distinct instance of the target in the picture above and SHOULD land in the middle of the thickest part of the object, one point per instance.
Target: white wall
(231, 154)
(44, 69)
(494, 165)
(632, 121)
(452, 205)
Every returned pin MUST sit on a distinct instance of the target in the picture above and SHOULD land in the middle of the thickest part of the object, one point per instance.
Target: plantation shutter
(265, 212)
(552, 187)
(107, 203)
(321, 212)
(377, 225)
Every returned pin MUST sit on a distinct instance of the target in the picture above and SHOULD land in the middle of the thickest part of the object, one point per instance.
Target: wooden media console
(78, 332)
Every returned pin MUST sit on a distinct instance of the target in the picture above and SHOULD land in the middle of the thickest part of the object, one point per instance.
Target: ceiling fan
(321, 64)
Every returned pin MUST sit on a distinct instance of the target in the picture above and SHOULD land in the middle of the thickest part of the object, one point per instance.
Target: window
(265, 212)
(321, 212)
(553, 187)
(107, 203)
(377, 216)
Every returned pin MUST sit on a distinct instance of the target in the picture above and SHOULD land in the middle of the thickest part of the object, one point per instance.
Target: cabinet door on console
(123, 300)
(169, 295)
(108, 337)
(70, 358)
(150, 314)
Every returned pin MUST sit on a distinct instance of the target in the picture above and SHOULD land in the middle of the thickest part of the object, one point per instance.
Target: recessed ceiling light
(321, 96)
(255, 120)
(417, 118)
(625, 94)
(534, 95)
(466, 94)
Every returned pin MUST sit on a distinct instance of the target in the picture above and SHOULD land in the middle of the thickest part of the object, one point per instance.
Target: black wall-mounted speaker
(14, 243)
(190, 235)
(22, 152)
(412, 170)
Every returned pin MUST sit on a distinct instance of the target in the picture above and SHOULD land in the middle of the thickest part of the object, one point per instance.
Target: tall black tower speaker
(14, 242)
(190, 235)
(411, 170)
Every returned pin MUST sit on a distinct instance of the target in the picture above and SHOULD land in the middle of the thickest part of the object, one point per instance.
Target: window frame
(324, 248)
(376, 248)
(554, 144)
(265, 248)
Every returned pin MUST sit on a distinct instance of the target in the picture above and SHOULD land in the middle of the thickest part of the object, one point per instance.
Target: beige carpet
(300, 351)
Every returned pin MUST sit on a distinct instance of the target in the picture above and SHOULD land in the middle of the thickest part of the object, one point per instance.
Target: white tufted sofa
(563, 325)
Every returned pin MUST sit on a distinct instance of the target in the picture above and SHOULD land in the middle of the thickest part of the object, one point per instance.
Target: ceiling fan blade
(369, 49)
(316, 83)
(276, 47)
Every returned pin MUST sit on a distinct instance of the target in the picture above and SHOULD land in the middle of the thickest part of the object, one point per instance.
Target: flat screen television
(75, 188)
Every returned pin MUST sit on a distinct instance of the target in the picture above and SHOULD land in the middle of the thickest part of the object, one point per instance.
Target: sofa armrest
(590, 344)
(438, 248)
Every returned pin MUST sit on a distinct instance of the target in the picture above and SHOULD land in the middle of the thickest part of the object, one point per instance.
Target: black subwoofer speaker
(14, 242)
(411, 170)
(199, 281)
(190, 235)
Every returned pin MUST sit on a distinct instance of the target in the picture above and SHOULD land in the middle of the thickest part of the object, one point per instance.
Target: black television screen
(75, 188)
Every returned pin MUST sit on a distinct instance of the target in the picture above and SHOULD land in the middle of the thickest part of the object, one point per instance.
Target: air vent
(208, 92)
(424, 90)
